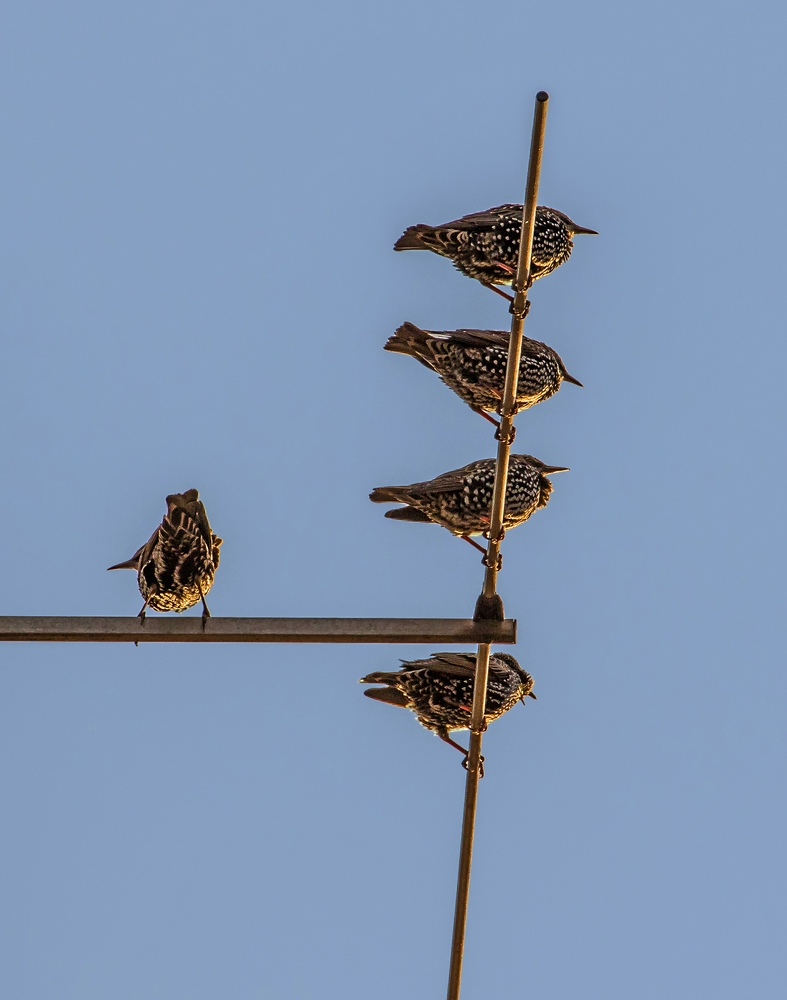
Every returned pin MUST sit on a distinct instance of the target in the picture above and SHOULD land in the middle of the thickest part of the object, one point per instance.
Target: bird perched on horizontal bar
(474, 362)
(175, 568)
(461, 501)
(440, 690)
(485, 245)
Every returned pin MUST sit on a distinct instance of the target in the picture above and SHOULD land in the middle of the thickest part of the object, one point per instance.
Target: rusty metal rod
(398, 630)
(489, 604)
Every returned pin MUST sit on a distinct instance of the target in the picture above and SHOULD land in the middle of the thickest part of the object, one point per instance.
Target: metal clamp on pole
(489, 605)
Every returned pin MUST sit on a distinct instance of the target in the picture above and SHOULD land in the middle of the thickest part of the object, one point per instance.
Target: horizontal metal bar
(393, 630)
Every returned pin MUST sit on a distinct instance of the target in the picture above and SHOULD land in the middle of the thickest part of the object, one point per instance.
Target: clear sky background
(198, 203)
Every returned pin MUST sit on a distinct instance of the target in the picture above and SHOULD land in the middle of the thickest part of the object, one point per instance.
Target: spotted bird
(175, 568)
(440, 689)
(473, 364)
(461, 501)
(485, 245)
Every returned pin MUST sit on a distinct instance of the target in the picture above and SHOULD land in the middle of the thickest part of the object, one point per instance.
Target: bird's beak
(580, 231)
(570, 378)
(531, 695)
(549, 470)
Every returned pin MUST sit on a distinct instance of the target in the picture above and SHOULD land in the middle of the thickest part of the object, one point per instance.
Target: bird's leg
(142, 617)
(447, 739)
(475, 545)
(497, 291)
(205, 612)
(481, 413)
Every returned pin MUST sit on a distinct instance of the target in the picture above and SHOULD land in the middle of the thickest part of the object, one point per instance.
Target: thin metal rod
(521, 285)
(473, 765)
(377, 630)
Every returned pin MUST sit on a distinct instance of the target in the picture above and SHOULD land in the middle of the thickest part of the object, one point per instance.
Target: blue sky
(198, 204)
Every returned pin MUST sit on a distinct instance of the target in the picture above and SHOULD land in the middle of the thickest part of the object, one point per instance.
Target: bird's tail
(388, 494)
(408, 514)
(408, 339)
(380, 677)
(188, 504)
(389, 695)
(412, 238)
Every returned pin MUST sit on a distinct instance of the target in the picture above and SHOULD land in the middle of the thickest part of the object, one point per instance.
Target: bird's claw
(527, 306)
(498, 567)
(480, 765)
(510, 437)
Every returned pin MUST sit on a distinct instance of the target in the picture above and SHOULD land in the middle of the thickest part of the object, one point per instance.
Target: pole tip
(542, 96)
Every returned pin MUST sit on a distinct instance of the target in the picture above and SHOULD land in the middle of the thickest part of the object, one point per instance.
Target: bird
(440, 690)
(461, 501)
(485, 245)
(473, 364)
(175, 568)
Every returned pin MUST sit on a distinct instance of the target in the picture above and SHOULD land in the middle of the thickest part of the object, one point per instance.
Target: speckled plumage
(176, 567)
(473, 364)
(485, 245)
(461, 501)
(440, 689)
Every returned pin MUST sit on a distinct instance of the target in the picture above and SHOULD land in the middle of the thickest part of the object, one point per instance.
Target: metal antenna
(489, 605)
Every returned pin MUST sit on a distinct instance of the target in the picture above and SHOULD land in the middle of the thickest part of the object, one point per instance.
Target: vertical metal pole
(489, 604)
(521, 284)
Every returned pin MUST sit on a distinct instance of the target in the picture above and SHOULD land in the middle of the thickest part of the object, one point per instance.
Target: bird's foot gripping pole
(466, 764)
(495, 563)
(205, 612)
(142, 616)
(509, 438)
(465, 753)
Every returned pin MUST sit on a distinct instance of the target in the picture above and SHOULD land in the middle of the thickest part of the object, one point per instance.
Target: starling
(175, 569)
(486, 245)
(473, 363)
(461, 501)
(440, 690)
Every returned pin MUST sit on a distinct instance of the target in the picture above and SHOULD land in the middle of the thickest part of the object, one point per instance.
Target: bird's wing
(474, 338)
(454, 664)
(481, 220)
(463, 664)
(448, 482)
